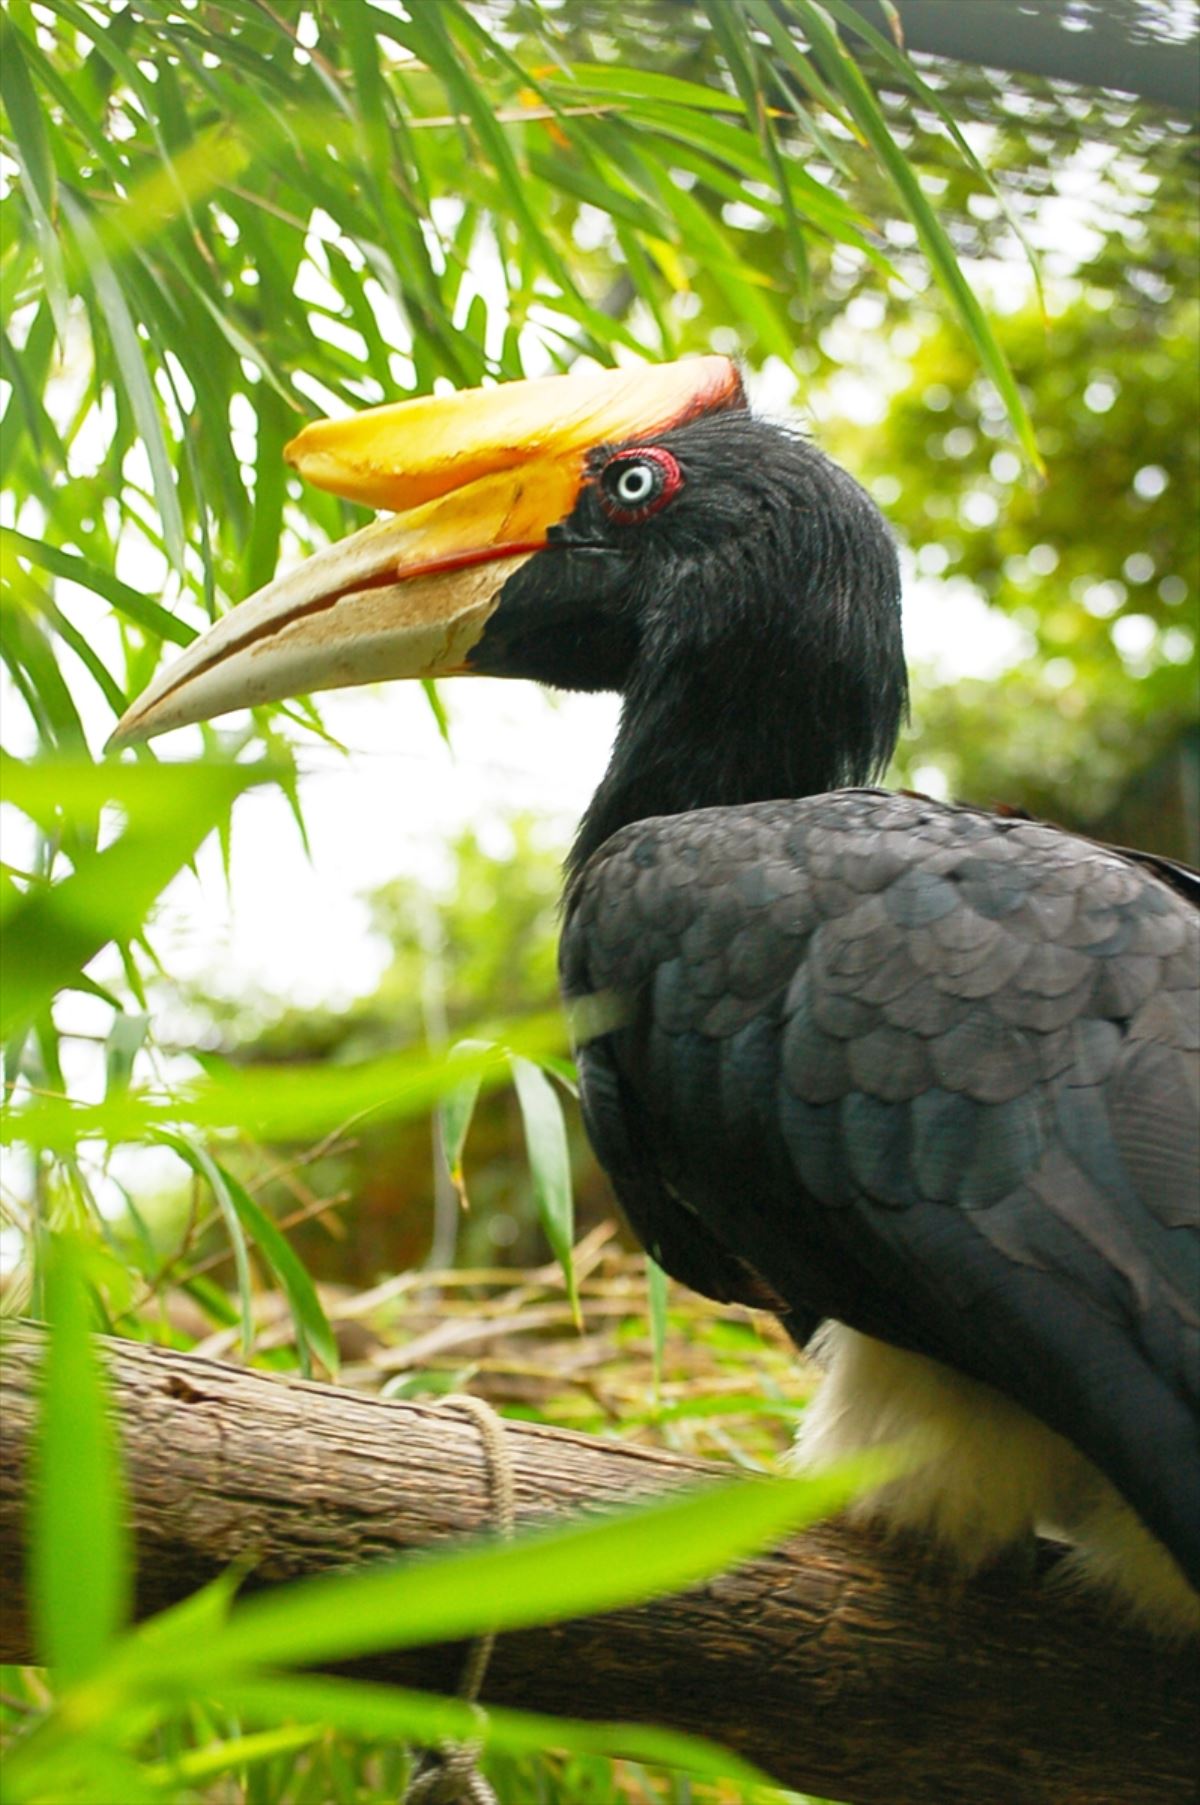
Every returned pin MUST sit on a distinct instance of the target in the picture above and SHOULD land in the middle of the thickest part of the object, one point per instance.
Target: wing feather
(927, 1071)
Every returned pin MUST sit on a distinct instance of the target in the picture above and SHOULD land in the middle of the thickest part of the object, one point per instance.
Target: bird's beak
(477, 479)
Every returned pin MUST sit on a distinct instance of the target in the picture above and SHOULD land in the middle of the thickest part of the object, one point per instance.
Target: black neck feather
(752, 627)
(770, 661)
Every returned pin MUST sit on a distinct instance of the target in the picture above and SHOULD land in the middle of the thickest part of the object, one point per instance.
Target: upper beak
(478, 478)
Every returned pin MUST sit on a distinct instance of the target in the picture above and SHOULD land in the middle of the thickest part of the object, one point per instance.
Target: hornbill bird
(918, 1078)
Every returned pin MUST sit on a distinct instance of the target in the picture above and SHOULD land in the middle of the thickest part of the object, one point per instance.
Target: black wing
(927, 1071)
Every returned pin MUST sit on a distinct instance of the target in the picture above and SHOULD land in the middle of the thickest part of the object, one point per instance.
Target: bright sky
(297, 927)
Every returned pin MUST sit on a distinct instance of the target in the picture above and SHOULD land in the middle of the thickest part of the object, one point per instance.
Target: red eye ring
(638, 482)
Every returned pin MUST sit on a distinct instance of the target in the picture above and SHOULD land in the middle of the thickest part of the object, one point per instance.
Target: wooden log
(841, 1665)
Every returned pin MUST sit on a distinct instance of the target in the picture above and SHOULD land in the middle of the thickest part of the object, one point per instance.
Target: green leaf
(79, 644)
(135, 377)
(243, 345)
(192, 1767)
(270, 490)
(126, 601)
(270, 1103)
(437, 708)
(31, 661)
(891, 49)
(26, 117)
(200, 1615)
(656, 1304)
(54, 791)
(88, 121)
(620, 80)
(569, 1571)
(126, 1038)
(360, 1709)
(737, 46)
(35, 167)
(212, 1300)
(205, 1167)
(549, 1165)
(458, 1106)
(54, 932)
(437, 46)
(26, 371)
(312, 1325)
(79, 1557)
(82, 1769)
(702, 1409)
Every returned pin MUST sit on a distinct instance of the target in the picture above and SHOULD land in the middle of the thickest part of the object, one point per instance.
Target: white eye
(636, 483)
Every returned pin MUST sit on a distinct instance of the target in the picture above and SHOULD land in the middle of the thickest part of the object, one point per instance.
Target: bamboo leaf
(437, 708)
(206, 1168)
(798, 74)
(27, 407)
(358, 1708)
(35, 165)
(132, 364)
(458, 1107)
(545, 1577)
(891, 49)
(90, 575)
(82, 1770)
(739, 52)
(656, 1304)
(301, 1102)
(646, 85)
(54, 932)
(270, 489)
(125, 1040)
(82, 647)
(554, 169)
(192, 1767)
(438, 47)
(549, 1165)
(79, 1560)
(32, 663)
(312, 1325)
(88, 122)
(26, 118)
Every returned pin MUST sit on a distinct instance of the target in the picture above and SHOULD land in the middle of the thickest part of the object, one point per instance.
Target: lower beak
(408, 596)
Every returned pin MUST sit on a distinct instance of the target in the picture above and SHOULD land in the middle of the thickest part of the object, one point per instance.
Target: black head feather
(751, 621)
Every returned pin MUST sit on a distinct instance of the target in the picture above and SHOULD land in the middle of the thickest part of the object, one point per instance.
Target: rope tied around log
(448, 1774)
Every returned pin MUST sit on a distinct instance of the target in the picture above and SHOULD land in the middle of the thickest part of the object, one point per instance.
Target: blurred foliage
(224, 217)
(486, 944)
(490, 934)
(218, 217)
(1099, 568)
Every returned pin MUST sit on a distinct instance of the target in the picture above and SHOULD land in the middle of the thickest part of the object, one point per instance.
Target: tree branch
(840, 1665)
(1118, 45)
